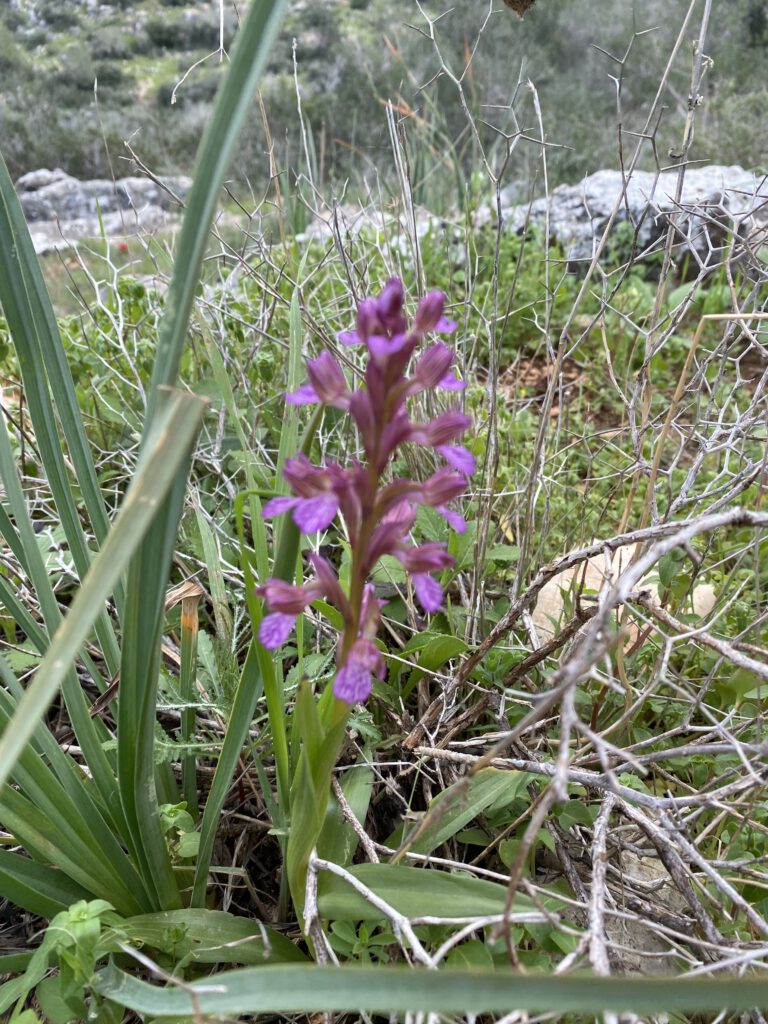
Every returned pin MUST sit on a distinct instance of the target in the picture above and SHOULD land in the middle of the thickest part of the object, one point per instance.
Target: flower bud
(429, 312)
(433, 365)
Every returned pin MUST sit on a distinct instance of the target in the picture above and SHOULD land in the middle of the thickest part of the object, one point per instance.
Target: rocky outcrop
(715, 203)
(60, 209)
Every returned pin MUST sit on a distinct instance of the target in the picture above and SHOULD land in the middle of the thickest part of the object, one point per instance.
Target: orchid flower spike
(378, 513)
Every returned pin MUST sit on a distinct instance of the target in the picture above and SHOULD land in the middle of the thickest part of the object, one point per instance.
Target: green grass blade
(37, 888)
(382, 989)
(289, 435)
(212, 555)
(58, 768)
(44, 372)
(137, 711)
(23, 536)
(64, 849)
(168, 450)
(187, 679)
(34, 328)
(233, 103)
(75, 818)
(483, 789)
(249, 691)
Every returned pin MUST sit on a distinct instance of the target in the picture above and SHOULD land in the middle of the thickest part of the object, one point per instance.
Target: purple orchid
(378, 515)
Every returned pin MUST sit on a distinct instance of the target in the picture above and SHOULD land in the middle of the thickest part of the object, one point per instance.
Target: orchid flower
(378, 514)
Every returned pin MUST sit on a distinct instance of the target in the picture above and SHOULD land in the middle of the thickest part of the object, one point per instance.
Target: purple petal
(370, 617)
(444, 326)
(429, 557)
(428, 591)
(458, 457)
(275, 629)
(276, 506)
(378, 345)
(450, 382)
(454, 520)
(326, 378)
(443, 486)
(433, 365)
(288, 598)
(442, 429)
(352, 683)
(304, 479)
(327, 583)
(429, 312)
(313, 514)
(368, 321)
(305, 395)
(395, 433)
(349, 338)
(389, 304)
(364, 653)
(362, 413)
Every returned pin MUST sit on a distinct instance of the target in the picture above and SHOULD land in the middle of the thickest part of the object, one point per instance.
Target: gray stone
(715, 202)
(61, 209)
(34, 180)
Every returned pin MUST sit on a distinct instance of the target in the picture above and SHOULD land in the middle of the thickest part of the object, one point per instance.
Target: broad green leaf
(296, 989)
(338, 840)
(435, 654)
(204, 936)
(452, 810)
(417, 892)
(311, 784)
(52, 1002)
(503, 553)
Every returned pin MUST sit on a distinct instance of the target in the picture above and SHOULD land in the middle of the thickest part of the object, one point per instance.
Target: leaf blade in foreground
(168, 447)
(295, 989)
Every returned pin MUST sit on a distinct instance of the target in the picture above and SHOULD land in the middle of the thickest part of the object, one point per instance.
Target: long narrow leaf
(36, 328)
(137, 711)
(205, 936)
(47, 381)
(411, 891)
(35, 887)
(249, 690)
(296, 989)
(233, 102)
(171, 442)
(86, 730)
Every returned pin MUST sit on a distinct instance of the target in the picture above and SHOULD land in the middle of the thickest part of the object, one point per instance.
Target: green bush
(111, 43)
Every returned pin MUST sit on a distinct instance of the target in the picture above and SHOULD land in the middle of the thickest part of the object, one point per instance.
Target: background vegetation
(527, 795)
(352, 56)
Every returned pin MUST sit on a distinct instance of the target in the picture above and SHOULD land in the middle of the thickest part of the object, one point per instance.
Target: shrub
(111, 43)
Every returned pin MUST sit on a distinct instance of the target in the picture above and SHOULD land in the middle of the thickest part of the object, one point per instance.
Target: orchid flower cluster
(379, 513)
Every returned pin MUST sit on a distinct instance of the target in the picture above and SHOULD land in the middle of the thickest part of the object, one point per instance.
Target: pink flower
(354, 679)
(378, 516)
(429, 315)
(309, 514)
(326, 384)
